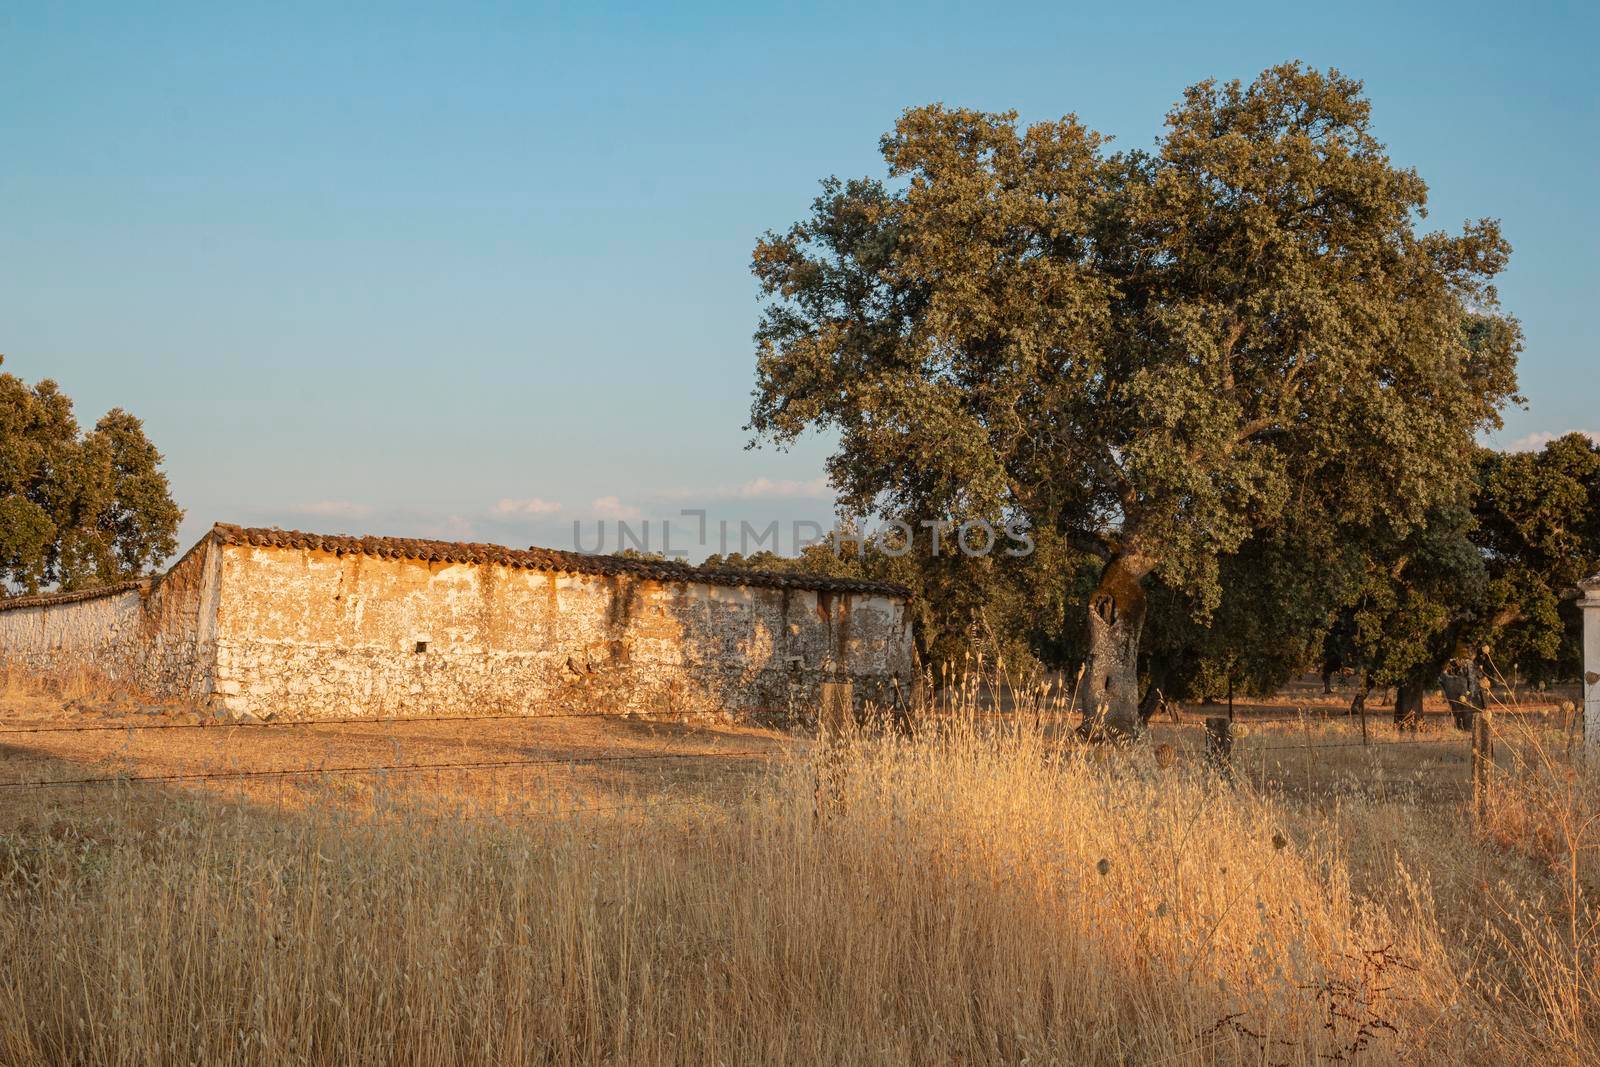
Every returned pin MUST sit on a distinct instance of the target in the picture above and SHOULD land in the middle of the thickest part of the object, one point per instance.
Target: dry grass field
(987, 891)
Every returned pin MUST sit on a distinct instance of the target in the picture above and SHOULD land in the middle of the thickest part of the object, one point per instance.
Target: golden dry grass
(975, 895)
(55, 728)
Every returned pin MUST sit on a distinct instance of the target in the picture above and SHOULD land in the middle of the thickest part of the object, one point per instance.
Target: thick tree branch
(1253, 427)
(1096, 546)
(1229, 343)
(1511, 613)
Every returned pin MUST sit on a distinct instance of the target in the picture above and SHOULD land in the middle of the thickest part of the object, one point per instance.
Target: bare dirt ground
(94, 750)
(72, 746)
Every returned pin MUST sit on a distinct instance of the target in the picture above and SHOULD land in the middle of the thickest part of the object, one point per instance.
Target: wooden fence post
(1305, 728)
(1590, 700)
(1482, 762)
(1219, 745)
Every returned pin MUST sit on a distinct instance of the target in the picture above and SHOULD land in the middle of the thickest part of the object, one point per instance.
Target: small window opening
(422, 646)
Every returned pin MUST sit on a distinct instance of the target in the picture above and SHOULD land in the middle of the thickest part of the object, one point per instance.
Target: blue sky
(440, 270)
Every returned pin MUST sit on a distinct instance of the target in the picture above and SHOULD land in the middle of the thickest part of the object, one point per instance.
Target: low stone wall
(156, 636)
(49, 634)
(309, 633)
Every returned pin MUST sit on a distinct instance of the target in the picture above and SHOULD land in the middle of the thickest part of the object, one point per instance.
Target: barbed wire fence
(1452, 764)
(385, 770)
(465, 766)
(1218, 744)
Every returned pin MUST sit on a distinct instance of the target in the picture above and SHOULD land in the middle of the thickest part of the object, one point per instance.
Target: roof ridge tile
(538, 558)
(40, 600)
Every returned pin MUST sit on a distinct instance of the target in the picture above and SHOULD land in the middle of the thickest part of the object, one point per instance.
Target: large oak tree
(1152, 355)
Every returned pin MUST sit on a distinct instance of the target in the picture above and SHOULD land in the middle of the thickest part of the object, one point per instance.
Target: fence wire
(1242, 751)
(215, 725)
(291, 772)
(1462, 741)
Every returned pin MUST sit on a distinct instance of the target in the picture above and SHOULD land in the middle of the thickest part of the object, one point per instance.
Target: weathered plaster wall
(158, 636)
(63, 636)
(313, 633)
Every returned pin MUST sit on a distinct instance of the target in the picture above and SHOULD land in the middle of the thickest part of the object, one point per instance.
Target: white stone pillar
(1591, 662)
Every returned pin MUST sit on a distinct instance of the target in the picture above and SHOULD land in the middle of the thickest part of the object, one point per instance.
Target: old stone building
(306, 625)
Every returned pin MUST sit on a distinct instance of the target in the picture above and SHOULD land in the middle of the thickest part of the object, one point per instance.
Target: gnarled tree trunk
(1463, 680)
(1408, 703)
(1462, 683)
(1159, 670)
(1108, 696)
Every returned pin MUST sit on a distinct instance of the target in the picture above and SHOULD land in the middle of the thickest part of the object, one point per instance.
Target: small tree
(1151, 355)
(77, 511)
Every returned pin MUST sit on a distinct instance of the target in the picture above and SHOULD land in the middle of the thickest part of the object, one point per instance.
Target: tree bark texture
(1462, 683)
(1109, 695)
(1408, 704)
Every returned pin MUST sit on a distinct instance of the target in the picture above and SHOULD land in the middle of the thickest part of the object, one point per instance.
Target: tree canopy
(1488, 584)
(77, 509)
(1151, 355)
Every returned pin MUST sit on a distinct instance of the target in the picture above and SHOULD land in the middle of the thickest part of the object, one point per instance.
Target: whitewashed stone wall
(158, 636)
(48, 636)
(308, 633)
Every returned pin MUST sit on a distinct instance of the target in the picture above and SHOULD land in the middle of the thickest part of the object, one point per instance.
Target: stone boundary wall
(157, 636)
(48, 636)
(313, 633)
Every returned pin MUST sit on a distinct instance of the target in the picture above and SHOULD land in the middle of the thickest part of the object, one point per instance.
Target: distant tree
(1420, 605)
(1281, 592)
(1479, 588)
(77, 511)
(1538, 530)
(1150, 356)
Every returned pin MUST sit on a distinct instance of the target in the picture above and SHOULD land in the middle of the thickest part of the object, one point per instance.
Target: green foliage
(1165, 359)
(1538, 530)
(1494, 578)
(77, 510)
(1418, 600)
(1280, 591)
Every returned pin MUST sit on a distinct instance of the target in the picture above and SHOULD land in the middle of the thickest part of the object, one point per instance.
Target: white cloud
(341, 509)
(759, 489)
(1532, 442)
(450, 528)
(609, 507)
(531, 506)
(782, 487)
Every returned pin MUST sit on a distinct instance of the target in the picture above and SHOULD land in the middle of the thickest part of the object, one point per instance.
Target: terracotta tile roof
(42, 600)
(543, 559)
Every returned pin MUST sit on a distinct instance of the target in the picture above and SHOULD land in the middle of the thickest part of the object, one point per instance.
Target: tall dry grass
(971, 896)
(20, 683)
